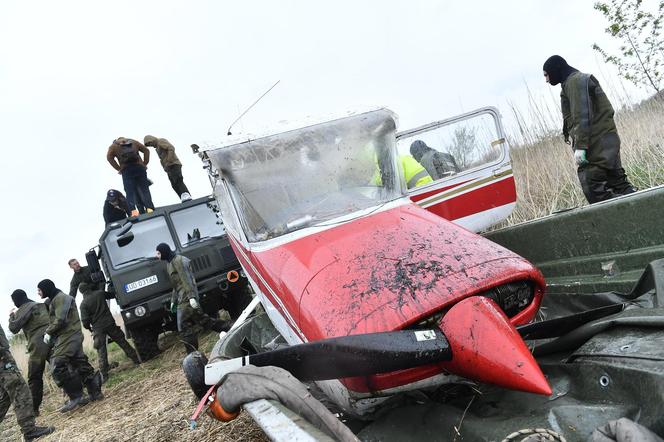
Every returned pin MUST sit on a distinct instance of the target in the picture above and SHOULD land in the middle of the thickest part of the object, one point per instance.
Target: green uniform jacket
(182, 280)
(95, 313)
(32, 318)
(83, 275)
(165, 152)
(587, 112)
(64, 325)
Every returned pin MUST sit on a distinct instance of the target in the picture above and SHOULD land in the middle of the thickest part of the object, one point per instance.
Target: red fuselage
(383, 272)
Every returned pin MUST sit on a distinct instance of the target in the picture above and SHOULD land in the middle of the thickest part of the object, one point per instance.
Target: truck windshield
(195, 224)
(304, 177)
(128, 246)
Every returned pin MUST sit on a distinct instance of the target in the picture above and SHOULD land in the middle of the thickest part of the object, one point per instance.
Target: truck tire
(145, 342)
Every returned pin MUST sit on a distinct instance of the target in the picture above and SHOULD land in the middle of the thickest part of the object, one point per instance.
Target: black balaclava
(20, 297)
(418, 148)
(557, 69)
(166, 252)
(48, 288)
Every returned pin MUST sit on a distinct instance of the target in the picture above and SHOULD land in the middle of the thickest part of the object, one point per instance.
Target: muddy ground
(152, 402)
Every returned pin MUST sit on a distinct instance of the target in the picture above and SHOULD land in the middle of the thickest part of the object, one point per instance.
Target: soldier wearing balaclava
(32, 318)
(588, 121)
(70, 367)
(185, 303)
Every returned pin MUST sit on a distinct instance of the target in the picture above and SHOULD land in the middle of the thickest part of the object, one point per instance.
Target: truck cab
(140, 280)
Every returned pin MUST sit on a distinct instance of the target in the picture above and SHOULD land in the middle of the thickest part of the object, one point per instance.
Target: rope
(543, 433)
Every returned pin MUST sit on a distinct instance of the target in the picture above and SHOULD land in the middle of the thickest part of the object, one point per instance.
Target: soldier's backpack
(128, 153)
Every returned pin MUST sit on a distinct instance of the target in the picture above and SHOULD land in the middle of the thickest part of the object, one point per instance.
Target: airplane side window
(454, 148)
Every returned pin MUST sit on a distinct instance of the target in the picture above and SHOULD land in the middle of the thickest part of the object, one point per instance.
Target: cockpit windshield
(304, 177)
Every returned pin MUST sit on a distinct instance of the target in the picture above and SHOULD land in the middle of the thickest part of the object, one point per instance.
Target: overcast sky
(74, 75)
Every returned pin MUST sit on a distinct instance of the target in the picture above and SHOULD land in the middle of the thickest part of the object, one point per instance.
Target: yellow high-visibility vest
(416, 175)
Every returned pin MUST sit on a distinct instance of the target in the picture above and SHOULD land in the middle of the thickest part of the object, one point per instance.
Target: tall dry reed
(543, 164)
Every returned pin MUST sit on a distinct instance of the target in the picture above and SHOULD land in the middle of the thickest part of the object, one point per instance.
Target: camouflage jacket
(5, 355)
(587, 112)
(32, 318)
(95, 314)
(182, 280)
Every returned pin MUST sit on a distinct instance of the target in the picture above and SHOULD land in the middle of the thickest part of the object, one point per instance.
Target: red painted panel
(484, 198)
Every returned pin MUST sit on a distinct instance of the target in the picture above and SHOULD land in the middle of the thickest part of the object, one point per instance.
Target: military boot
(190, 343)
(37, 432)
(93, 385)
(74, 391)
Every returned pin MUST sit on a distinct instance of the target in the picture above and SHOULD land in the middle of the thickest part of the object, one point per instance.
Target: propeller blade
(346, 356)
(559, 326)
(487, 347)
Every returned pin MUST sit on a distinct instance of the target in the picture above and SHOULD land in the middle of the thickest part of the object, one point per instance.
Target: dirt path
(150, 403)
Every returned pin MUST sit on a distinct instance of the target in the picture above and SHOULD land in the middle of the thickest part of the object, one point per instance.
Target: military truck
(126, 259)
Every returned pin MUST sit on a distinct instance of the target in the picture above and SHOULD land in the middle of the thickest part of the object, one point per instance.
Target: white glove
(193, 303)
(47, 338)
(580, 157)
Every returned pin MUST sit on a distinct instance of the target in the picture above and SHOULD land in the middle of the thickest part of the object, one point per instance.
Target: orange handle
(217, 411)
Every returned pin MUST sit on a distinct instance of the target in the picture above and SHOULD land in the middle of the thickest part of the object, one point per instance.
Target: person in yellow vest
(414, 173)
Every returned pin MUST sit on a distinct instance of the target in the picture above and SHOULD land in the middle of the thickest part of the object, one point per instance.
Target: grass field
(151, 402)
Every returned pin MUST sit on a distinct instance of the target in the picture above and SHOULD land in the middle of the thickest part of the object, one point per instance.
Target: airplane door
(468, 159)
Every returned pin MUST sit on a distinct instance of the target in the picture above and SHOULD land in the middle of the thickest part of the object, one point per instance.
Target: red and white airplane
(341, 254)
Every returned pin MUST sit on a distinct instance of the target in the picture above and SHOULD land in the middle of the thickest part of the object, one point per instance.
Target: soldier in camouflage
(32, 318)
(184, 299)
(69, 364)
(588, 119)
(13, 390)
(96, 317)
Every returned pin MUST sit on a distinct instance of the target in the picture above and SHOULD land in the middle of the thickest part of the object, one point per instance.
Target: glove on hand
(193, 303)
(47, 338)
(174, 308)
(580, 157)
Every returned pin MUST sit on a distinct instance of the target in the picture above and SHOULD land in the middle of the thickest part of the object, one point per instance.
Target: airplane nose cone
(487, 348)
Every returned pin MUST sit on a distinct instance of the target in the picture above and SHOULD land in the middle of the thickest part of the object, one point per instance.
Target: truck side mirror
(96, 273)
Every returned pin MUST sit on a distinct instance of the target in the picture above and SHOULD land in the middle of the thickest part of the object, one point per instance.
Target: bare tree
(463, 146)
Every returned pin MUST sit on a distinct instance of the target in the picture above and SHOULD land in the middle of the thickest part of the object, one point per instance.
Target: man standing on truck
(123, 155)
(588, 119)
(69, 364)
(14, 391)
(184, 299)
(116, 207)
(171, 164)
(96, 317)
(32, 318)
(81, 274)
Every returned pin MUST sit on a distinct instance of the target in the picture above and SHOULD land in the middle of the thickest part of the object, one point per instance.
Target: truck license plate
(140, 283)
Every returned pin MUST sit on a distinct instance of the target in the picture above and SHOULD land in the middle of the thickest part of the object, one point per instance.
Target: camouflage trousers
(14, 390)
